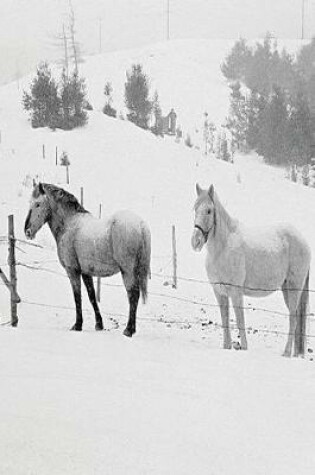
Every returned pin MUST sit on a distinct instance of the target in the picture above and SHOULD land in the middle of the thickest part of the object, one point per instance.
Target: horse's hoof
(99, 327)
(77, 328)
(128, 333)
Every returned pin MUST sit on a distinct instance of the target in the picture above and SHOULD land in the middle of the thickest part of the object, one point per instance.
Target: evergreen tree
(274, 131)
(108, 109)
(299, 132)
(73, 98)
(157, 128)
(224, 149)
(258, 76)
(237, 62)
(255, 112)
(137, 96)
(43, 102)
(237, 120)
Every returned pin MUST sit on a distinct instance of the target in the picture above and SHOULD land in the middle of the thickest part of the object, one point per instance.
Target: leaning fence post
(174, 257)
(98, 282)
(13, 278)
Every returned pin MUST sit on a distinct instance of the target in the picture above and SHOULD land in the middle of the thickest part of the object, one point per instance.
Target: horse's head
(205, 219)
(39, 211)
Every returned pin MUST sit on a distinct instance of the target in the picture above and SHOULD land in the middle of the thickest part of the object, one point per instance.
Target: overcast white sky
(27, 27)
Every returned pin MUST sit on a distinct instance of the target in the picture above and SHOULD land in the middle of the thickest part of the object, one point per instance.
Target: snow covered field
(168, 401)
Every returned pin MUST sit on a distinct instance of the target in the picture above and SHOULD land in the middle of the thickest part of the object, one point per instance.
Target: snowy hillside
(168, 401)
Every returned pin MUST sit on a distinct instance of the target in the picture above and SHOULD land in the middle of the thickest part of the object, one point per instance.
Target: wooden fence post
(13, 279)
(43, 151)
(98, 282)
(56, 155)
(82, 196)
(174, 254)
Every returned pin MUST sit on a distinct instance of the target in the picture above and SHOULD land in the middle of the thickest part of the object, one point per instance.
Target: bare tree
(74, 43)
(61, 42)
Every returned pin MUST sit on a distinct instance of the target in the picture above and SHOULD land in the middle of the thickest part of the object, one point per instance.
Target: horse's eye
(209, 211)
(37, 205)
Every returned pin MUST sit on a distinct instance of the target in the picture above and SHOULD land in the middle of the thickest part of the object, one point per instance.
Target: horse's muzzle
(197, 240)
(29, 234)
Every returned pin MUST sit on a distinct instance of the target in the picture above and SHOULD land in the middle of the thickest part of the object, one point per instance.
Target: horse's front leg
(223, 302)
(238, 306)
(75, 280)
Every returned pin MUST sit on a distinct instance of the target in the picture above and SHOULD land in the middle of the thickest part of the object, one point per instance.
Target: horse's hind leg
(88, 281)
(238, 305)
(133, 292)
(133, 297)
(291, 297)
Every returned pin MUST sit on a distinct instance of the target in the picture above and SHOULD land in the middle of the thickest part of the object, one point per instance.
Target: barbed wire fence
(36, 265)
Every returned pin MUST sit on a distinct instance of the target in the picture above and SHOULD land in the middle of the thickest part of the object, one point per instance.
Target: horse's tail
(143, 263)
(302, 311)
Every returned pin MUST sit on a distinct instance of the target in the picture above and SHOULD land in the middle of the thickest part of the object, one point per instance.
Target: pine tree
(237, 62)
(157, 128)
(42, 101)
(299, 133)
(108, 109)
(274, 131)
(258, 76)
(73, 97)
(224, 149)
(137, 96)
(255, 107)
(237, 120)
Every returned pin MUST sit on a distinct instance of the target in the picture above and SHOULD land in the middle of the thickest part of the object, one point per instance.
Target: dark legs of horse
(75, 280)
(88, 281)
(133, 297)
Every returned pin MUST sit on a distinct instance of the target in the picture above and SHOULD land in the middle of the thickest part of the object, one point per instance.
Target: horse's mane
(61, 196)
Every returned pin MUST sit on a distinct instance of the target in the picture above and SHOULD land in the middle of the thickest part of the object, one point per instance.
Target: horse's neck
(58, 220)
(225, 225)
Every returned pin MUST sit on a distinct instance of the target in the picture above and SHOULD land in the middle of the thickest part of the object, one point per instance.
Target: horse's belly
(95, 258)
(265, 274)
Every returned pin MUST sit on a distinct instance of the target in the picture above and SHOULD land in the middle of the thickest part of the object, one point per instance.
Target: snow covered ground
(168, 401)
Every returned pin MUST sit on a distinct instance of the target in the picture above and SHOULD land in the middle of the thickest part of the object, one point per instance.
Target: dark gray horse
(90, 247)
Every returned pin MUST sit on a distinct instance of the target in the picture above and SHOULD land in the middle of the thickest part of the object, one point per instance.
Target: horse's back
(277, 239)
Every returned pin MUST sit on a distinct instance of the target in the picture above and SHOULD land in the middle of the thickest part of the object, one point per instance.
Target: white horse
(252, 262)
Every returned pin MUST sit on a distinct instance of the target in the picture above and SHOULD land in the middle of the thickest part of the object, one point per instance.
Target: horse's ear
(198, 189)
(41, 189)
(211, 192)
